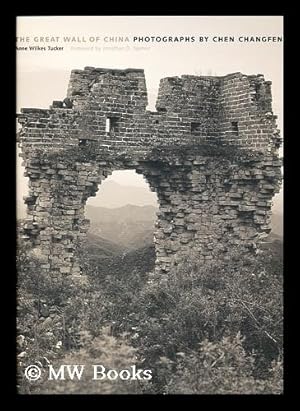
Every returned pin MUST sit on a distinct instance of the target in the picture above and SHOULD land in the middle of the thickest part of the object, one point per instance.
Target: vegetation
(203, 330)
(219, 148)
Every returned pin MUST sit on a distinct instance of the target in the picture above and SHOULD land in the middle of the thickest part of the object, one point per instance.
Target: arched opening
(122, 221)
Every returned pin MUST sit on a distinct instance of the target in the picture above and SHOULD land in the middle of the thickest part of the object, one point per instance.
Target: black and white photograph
(149, 173)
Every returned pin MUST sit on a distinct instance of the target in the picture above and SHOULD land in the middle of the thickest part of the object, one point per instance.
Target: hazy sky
(42, 76)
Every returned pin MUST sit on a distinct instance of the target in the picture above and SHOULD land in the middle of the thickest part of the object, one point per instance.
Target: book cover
(149, 205)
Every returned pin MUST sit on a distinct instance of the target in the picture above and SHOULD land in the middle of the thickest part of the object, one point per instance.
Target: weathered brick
(209, 201)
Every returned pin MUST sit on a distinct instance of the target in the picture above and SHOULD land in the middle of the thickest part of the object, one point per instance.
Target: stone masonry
(209, 151)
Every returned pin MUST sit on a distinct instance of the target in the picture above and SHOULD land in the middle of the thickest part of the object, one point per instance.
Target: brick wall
(210, 151)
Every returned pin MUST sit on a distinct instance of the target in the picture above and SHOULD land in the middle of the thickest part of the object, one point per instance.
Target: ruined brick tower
(210, 151)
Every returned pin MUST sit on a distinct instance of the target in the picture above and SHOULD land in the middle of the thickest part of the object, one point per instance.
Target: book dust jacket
(149, 205)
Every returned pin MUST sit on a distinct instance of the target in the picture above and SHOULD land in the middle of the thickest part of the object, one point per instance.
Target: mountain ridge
(129, 212)
(114, 195)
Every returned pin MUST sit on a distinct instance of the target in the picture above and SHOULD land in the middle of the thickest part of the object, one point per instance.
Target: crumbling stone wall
(210, 151)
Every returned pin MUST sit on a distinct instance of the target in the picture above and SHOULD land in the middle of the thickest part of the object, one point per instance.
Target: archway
(122, 218)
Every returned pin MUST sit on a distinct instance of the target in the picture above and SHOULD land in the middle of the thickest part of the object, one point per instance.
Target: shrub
(222, 368)
(198, 303)
(106, 350)
(165, 323)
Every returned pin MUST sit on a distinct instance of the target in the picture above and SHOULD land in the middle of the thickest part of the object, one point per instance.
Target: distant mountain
(277, 214)
(120, 240)
(114, 195)
(101, 247)
(21, 210)
(278, 203)
(128, 212)
(116, 262)
(277, 223)
(130, 227)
